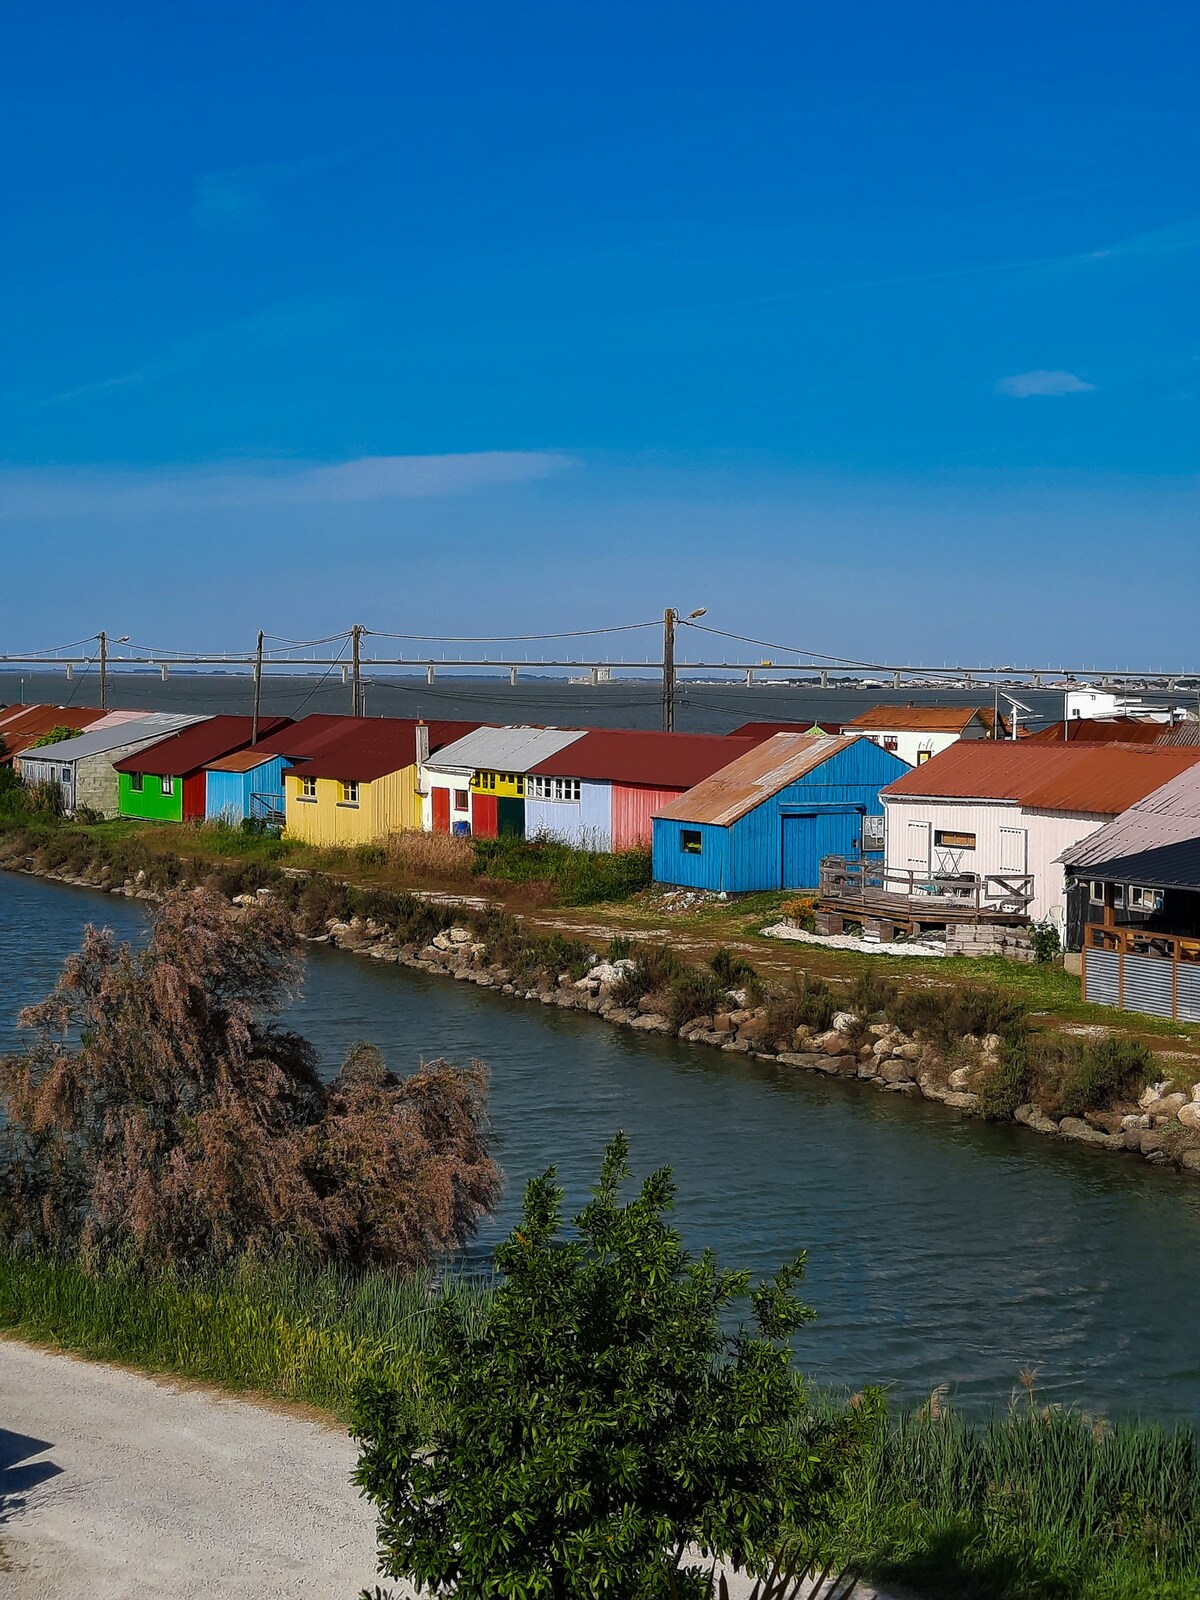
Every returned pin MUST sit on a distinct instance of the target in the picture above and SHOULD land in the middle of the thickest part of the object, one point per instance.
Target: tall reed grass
(277, 1328)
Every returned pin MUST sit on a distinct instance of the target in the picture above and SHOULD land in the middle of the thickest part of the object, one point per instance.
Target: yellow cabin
(365, 783)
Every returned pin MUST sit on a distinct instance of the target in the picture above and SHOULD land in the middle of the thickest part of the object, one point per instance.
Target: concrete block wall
(987, 939)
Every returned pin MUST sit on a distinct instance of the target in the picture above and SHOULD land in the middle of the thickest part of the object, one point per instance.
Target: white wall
(435, 778)
(915, 747)
(998, 826)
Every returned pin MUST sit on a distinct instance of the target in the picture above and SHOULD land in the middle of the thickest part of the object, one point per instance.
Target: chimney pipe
(422, 738)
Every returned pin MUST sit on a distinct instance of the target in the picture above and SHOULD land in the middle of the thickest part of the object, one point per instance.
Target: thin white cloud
(1042, 382)
(32, 495)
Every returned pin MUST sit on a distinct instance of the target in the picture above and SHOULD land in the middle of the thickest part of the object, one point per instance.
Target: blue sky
(872, 328)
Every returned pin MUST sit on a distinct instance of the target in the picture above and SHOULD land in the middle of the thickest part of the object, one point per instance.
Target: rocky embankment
(1162, 1127)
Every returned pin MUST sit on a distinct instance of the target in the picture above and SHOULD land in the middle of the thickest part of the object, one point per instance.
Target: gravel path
(114, 1485)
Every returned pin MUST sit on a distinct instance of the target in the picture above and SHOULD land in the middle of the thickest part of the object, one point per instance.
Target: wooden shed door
(440, 799)
(810, 836)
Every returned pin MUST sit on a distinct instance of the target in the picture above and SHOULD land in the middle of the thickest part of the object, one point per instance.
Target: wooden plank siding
(748, 853)
(1048, 834)
(386, 805)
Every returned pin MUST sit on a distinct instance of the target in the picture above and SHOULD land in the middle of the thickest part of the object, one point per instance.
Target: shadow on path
(19, 1472)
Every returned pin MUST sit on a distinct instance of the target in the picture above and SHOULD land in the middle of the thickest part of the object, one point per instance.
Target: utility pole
(257, 687)
(356, 698)
(103, 637)
(670, 618)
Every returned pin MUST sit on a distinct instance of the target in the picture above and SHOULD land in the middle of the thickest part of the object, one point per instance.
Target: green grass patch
(579, 877)
(275, 1328)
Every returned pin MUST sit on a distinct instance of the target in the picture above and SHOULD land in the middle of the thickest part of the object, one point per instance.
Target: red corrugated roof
(194, 747)
(1097, 780)
(370, 747)
(922, 719)
(654, 760)
(1099, 730)
(765, 730)
(21, 725)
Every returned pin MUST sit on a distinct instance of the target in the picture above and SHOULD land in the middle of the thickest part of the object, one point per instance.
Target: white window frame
(308, 788)
(348, 792)
(167, 784)
(1096, 899)
(1141, 897)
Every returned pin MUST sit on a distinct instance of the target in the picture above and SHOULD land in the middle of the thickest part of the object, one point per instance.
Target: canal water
(940, 1251)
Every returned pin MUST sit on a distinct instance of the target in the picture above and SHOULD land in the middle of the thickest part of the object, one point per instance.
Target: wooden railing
(1133, 941)
(850, 878)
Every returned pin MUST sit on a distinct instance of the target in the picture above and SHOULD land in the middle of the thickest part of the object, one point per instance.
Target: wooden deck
(887, 903)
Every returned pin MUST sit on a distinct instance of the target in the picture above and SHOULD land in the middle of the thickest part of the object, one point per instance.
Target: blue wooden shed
(248, 783)
(767, 820)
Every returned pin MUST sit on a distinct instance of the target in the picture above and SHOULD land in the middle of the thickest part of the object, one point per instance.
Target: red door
(484, 816)
(194, 796)
(441, 810)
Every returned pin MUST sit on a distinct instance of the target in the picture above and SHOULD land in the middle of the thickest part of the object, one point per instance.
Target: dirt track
(114, 1486)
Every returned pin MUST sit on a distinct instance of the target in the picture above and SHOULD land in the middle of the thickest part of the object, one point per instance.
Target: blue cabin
(768, 819)
(248, 783)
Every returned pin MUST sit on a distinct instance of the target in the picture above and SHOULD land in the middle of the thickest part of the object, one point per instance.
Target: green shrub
(369, 855)
(579, 877)
(1047, 946)
(808, 1002)
(695, 993)
(735, 972)
(945, 1015)
(1006, 1085)
(655, 967)
(588, 1464)
(871, 995)
(1097, 1074)
(619, 947)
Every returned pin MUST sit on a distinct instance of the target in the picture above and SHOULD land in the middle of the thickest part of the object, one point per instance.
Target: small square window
(350, 793)
(137, 782)
(308, 788)
(168, 785)
(1145, 899)
(1096, 892)
(462, 800)
(691, 841)
(66, 774)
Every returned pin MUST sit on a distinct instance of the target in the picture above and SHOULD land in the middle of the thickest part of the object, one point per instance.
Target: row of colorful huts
(758, 808)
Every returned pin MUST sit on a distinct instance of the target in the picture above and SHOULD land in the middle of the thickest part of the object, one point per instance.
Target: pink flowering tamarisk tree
(160, 1107)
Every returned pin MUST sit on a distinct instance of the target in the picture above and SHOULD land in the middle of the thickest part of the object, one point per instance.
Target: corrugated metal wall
(385, 805)
(633, 808)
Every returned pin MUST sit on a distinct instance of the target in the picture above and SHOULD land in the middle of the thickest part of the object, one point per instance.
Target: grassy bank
(1032, 1504)
(276, 1329)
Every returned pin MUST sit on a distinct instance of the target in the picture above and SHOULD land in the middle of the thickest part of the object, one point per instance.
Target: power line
(505, 638)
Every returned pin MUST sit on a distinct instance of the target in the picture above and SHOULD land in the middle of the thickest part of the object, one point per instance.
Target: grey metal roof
(1157, 841)
(132, 734)
(514, 749)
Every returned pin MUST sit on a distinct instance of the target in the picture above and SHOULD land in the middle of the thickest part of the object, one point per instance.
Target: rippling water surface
(939, 1250)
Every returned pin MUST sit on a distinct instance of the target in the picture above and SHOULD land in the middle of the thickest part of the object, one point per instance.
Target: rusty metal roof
(1096, 780)
(21, 725)
(1156, 842)
(921, 719)
(1099, 730)
(194, 747)
(371, 747)
(654, 760)
(753, 777)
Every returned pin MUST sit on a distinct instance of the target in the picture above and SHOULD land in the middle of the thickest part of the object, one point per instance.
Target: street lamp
(671, 618)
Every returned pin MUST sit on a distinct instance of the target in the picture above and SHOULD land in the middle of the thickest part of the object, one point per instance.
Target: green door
(510, 816)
